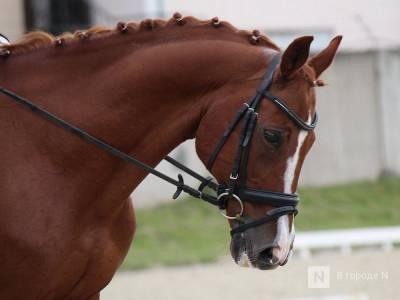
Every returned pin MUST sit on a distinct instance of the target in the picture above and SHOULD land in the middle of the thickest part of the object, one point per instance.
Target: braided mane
(38, 39)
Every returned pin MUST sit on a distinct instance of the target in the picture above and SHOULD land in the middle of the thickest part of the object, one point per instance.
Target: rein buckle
(233, 177)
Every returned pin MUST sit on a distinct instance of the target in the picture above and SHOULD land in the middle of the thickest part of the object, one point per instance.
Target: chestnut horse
(66, 219)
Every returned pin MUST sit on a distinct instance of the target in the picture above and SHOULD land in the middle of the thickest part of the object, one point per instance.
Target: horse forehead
(301, 97)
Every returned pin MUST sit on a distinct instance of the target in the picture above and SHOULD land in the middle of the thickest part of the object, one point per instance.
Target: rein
(236, 188)
(118, 153)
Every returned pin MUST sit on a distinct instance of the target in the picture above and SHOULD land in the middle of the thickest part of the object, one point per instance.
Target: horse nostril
(267, 257)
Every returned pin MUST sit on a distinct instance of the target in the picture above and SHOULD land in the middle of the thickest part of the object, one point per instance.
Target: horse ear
(323, 60)
(296, 55)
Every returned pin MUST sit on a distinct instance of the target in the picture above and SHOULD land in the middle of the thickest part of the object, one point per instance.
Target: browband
(292, 115)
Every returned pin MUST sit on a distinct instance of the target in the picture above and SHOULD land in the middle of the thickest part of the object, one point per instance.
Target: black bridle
(285, 203)
(236, 188)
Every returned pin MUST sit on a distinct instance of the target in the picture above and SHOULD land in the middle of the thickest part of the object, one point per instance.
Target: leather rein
(236, 188)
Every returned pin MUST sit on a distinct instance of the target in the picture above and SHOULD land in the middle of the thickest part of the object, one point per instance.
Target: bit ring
(236, 197)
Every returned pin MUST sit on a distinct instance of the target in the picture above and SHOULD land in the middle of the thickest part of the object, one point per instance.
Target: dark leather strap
(268, 75)
(205, 181)
(238, 156)
(227, 133)
(249, 130)
(253, 103)
(267, 197)
(4, 39)
(272, 215)
(181, 187)
(292, 115)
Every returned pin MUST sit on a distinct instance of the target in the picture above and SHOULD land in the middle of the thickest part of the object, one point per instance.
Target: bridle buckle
(231, 177)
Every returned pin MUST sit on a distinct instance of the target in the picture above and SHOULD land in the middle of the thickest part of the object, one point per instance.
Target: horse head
(266, 150)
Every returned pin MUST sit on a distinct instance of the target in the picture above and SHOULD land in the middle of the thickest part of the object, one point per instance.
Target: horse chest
(73, 263)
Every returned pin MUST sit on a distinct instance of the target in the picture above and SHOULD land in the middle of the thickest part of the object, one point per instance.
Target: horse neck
(145, 100)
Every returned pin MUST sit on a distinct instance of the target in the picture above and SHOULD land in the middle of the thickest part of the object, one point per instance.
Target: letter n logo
(318, 277)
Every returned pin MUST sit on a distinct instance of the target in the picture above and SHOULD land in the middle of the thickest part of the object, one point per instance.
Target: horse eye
(273, 137)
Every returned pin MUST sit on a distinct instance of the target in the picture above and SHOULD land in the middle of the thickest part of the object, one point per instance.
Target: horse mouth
(243, 254)
(243, 260)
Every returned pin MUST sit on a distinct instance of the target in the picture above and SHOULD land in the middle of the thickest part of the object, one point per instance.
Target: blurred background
(350, 184)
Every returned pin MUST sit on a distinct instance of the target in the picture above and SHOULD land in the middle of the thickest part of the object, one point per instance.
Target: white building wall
(12, 22)
(363, 22)
(389, 95)
(348, 143)
(105, 12)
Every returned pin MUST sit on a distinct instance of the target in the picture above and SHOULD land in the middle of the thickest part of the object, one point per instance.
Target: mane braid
(38, 39)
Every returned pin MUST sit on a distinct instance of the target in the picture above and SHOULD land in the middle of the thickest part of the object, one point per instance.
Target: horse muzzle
(265, 247)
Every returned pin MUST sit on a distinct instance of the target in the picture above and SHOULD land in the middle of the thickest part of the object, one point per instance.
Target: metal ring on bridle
(238, 200)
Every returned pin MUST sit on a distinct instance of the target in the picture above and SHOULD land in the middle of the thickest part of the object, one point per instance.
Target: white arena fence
(346, 240)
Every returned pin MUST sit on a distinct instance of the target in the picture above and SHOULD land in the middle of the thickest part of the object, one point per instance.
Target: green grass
(190, 231)
(353, 205)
